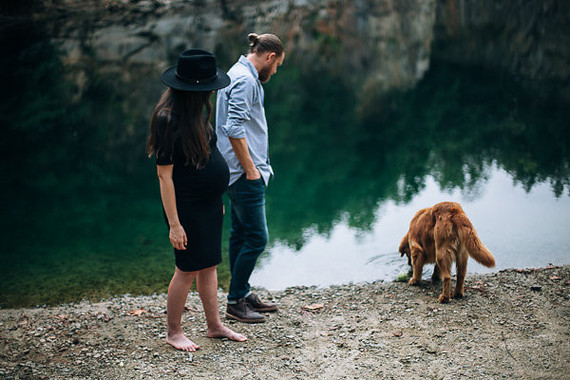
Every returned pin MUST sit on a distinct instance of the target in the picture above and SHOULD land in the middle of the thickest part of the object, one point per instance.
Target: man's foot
(242, 311)
(258, 305)
(180, 342)
(225, 332)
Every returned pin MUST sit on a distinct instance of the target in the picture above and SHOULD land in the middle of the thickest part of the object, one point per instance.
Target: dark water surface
(461, 135)
(82, 215)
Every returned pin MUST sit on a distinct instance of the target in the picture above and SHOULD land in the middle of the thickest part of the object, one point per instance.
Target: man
(243, 140)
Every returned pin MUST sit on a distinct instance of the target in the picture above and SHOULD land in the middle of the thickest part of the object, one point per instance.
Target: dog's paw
(413, 281)
(443, 299)
(457, 295)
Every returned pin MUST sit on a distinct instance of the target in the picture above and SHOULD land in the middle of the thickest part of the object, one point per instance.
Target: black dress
(199, 204)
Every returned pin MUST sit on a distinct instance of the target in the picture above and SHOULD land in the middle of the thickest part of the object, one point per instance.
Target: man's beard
(265, 74)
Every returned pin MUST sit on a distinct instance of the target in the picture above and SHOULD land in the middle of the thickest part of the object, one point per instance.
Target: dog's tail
(472, 242)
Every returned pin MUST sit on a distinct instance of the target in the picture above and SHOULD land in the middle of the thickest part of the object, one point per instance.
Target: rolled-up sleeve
(240, 99)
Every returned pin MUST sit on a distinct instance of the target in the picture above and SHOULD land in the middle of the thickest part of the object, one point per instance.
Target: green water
(82, 215)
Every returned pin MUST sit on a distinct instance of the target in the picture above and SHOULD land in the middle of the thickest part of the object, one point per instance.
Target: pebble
(133, 347)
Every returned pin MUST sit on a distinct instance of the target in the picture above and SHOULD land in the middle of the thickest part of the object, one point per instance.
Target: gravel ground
(511, 324)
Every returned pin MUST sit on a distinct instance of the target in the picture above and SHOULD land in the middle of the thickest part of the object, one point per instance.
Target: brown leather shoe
(258, 305)
(243, 312)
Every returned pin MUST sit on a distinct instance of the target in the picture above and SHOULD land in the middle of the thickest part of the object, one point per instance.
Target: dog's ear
(432, 213)
(404, 246)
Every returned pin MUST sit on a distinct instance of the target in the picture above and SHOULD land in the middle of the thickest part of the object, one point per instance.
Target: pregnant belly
(204, 185)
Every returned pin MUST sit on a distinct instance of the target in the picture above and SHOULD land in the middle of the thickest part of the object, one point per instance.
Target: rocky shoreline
(511, 324)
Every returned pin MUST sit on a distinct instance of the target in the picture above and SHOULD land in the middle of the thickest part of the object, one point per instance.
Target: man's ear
(271, 56)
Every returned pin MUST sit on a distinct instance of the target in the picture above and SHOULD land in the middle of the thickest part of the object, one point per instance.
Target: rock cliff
(526, 40)
(384, 44)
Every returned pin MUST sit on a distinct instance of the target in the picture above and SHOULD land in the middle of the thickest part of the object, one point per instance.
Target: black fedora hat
(196, 71)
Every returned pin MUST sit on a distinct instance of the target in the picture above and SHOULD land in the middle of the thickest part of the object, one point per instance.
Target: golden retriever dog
(443, 234)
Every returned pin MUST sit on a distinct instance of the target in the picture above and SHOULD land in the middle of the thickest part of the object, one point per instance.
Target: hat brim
(170, 79)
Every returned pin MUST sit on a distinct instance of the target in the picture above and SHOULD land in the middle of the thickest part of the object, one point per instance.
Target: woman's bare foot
(224, 332)
(180, 342)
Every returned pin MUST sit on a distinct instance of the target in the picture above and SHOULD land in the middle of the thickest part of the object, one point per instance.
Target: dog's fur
(443, 234)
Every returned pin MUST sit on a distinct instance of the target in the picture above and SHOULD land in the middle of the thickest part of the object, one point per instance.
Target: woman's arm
(177, 234)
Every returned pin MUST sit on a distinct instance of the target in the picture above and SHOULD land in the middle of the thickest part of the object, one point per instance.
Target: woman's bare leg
(177, 294)
(207, 283)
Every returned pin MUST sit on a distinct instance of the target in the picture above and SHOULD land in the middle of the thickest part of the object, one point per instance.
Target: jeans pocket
(254, 185)
(247, 190)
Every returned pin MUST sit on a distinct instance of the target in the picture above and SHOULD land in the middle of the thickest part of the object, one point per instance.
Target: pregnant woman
(193, 176)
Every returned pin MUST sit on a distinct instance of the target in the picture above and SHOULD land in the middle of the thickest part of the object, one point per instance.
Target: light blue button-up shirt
(240, 114)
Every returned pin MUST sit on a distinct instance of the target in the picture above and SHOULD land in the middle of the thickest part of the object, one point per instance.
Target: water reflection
(352, 169)
(83, 214)
(522, 229)
(338, 153)
(79, 217)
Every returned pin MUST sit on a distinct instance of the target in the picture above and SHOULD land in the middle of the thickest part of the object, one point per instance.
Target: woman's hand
(178, 237)
(177, 234)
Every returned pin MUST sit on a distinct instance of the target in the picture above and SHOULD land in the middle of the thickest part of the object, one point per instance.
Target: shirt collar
(244, 61)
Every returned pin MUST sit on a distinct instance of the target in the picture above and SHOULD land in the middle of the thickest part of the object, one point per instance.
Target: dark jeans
(249, 234)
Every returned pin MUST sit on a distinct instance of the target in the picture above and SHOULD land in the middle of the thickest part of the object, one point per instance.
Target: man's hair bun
(265, 43)
(253, 38)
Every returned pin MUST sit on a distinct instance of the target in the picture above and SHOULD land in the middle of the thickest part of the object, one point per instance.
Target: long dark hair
(179, 119)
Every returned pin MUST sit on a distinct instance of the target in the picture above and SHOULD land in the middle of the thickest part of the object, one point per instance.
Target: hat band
(196, 81)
